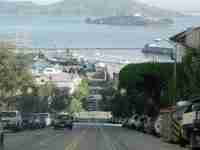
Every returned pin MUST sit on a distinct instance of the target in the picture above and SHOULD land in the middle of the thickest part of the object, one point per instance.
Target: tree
(83, 90)
(191, 63)
(39, 100)
(148, 85)
(59, 103)
(71, 103)
(75, 106)
(108, 92)
(14, 79)
(81, 93)
(121, 106)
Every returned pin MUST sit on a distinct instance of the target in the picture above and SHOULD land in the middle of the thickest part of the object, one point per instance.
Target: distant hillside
(85, 8)
(18, 7)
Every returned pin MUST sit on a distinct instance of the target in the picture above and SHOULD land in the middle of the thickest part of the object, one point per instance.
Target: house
(65, 81)
(100, 67)
(189, 38)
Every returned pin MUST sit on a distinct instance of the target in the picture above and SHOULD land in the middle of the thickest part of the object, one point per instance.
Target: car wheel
(17, 128)
(1, 138)
(192, 141)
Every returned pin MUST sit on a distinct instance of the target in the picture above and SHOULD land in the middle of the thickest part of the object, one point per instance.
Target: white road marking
(96, 124)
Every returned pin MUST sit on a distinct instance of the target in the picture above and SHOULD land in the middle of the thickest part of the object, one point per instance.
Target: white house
(189, 38)
(65, 81)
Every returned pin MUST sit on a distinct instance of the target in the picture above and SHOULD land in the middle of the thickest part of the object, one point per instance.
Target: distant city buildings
(66, 81)
(64, 77)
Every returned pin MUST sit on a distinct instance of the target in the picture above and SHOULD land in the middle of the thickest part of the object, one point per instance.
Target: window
(189, 109)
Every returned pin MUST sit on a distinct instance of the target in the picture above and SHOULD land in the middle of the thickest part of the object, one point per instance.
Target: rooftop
(62, 76)
(180, 37)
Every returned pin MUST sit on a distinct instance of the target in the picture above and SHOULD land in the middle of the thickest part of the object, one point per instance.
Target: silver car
(1, 134)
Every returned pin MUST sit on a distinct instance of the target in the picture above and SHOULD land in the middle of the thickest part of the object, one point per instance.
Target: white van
(11, 120)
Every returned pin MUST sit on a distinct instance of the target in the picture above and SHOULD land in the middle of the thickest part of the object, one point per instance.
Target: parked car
(125, 124)
(158, 125)
(26, 120)
(131, 122)
(11, 120)
(149, 125)
(1, 133)
(139, 123)
(37, 122)
(46, 117)
(63, 121)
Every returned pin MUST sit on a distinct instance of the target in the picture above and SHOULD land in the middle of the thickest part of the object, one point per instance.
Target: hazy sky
(39, 1)
(179, 5)
(188, 5)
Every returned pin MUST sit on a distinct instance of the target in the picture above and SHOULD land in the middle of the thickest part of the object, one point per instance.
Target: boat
(157, 49)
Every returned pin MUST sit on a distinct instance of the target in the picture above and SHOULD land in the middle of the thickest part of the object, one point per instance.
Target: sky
(178, 5)
(43, 2)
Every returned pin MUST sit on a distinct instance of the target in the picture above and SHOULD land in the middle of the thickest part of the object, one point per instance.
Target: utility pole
(174, 57)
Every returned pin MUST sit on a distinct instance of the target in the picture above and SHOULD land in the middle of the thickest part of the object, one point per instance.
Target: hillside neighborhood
(158, 101)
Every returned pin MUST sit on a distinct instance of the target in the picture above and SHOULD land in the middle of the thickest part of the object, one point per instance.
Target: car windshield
(8, 114)
(63, 117)
(44, 115)
(99, 74)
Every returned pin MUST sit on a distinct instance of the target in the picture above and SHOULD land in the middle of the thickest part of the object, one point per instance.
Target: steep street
(85, 137)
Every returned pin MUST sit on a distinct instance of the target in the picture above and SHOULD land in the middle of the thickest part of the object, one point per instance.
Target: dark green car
(63, 121)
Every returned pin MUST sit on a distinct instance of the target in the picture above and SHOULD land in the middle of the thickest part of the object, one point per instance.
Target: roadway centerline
(109, 144)
(75, 142)
(118, 142)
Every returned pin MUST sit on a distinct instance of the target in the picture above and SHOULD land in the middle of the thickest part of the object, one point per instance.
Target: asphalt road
(85, 137)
